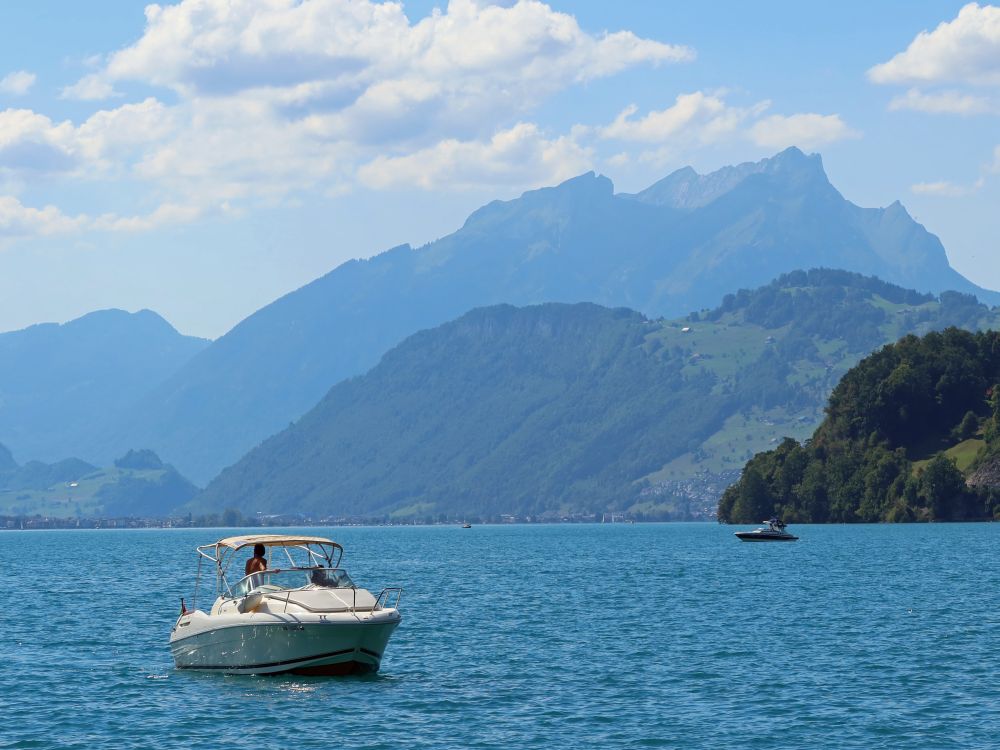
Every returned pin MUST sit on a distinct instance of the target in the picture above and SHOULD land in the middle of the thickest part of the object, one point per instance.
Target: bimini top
(316, 549)
(271, 540)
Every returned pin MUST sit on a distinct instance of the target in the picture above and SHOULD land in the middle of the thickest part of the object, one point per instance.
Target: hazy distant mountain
(678, 246)
(579, 408)
(57, 382)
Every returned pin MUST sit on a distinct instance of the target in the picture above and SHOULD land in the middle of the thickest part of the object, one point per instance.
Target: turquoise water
(613, 636)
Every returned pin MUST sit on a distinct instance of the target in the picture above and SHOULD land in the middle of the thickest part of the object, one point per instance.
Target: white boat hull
(271, 643)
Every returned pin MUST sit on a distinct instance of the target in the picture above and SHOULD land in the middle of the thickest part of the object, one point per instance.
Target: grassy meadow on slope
(138, 484)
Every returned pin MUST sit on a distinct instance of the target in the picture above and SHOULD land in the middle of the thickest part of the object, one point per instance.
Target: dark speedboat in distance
(774, 531)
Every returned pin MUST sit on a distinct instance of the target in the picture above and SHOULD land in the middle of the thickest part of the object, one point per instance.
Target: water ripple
(646, 636)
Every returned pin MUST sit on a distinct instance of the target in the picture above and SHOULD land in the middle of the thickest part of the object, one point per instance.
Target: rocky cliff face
(986, 475)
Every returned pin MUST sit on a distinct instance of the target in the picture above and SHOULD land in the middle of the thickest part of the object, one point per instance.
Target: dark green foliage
(141, 459)
(968, 427)
(825, 302)
(146, 497)
(908, 400)
(914, 388)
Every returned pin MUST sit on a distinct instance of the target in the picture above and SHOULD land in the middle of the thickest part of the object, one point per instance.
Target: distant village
(16, 523)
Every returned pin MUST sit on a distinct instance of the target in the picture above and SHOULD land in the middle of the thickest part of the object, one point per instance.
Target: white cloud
(521, 156)
(697, 117)
(18, 82)
(362, 71)
(92, 87)
(807, 130)
(32, 144)
(166, 214)
(947, 189)
(18, 220)
(273, 97)
(950, 102)
(966, 50)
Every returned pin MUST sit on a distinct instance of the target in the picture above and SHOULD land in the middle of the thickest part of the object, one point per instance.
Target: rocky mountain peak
(687, 190)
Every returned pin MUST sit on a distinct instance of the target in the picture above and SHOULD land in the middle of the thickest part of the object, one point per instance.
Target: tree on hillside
(753, 503)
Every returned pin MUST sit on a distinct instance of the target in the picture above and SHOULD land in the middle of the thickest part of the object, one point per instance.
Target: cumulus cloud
(947, 189)
(210, 46)
(18, 220)
(166, 214)
(520, 156)
(360, 69)
(950, 102)
(93, 87)
(270, 97)
(17, 83)
(807, 130)
(965, 50)
(698, 116)
(31, 144)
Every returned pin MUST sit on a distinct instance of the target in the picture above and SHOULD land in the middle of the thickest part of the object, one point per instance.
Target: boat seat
(326, 600)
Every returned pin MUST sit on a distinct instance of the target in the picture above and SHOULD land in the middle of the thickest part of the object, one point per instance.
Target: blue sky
(203, 158)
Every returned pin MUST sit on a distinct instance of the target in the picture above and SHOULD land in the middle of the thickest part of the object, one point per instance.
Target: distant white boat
(306, 617)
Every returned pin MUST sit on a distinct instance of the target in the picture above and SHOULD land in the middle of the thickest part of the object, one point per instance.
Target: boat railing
(392, 593)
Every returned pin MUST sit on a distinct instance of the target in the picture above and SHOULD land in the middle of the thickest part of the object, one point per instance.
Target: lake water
(611, 636)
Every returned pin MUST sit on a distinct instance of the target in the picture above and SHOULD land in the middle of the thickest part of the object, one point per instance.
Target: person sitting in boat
(257, 563)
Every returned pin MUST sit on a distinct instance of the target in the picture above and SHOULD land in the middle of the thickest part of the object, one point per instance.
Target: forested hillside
(902, 429)
(576, 408)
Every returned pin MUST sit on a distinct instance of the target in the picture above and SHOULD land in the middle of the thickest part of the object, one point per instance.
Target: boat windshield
(293, 578)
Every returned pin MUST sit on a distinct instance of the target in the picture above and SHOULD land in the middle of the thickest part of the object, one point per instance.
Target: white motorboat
(305, 617)
(774, 531)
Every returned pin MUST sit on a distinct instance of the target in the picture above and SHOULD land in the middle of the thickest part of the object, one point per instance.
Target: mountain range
(565, 409)
(676, 247)
(60, 384)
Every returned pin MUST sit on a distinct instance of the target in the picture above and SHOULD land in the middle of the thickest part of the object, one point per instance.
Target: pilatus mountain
(678, 246)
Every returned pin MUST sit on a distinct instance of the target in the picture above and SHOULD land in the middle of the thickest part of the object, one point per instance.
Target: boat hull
(749, 536)
(275, 644)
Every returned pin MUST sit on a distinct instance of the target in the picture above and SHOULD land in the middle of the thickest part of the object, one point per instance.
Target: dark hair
(258, 550)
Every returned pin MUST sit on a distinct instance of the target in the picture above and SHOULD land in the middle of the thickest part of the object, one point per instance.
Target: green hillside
(810, 328)
(903, 430)
(139, 484)
(560, 409)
